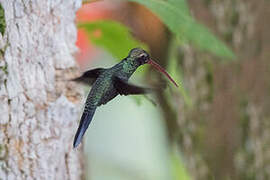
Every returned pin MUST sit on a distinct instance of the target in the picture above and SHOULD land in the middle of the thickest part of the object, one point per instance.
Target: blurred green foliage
(179, 170)
(112, 36)
(117, 39)
(175, 70)
(175, 14)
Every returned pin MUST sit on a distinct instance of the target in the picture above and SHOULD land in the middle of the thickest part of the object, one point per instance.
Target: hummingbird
(110, 82)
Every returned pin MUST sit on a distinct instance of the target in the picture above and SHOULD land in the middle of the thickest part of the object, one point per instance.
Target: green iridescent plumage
(108, 83)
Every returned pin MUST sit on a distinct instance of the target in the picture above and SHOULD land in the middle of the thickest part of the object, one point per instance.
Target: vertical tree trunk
(38, 109)
(227, 133)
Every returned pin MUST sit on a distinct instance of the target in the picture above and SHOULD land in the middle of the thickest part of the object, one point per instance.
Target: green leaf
(112, 36)
(176, 71)
(181, 5)
(179, 170)
(174, 13)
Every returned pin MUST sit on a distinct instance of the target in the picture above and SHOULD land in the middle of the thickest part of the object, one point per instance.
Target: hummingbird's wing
(89, 77)
(124, 88)
(84, 123)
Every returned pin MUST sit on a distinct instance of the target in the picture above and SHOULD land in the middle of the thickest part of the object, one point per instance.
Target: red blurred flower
(87, 13)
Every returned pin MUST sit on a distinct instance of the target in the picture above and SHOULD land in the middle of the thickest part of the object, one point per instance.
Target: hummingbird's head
(141, 57)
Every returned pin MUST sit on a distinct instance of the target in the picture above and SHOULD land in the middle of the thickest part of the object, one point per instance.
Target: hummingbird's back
(102, 90)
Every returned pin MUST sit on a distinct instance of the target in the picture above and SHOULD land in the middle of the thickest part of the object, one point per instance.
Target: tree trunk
(39, 110)
(226, 135)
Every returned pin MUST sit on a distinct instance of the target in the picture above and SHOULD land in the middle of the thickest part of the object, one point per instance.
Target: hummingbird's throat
(160, 69)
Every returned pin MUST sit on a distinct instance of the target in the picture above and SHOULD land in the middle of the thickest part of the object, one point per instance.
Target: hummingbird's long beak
(160, 69)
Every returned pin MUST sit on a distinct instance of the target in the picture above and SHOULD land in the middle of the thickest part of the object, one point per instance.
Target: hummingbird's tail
(84, 123)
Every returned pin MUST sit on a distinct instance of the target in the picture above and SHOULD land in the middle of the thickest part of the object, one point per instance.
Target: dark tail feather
(84, 123)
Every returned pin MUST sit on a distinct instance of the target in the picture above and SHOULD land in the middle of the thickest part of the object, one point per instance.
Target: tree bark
(38, 109)
(226, 135)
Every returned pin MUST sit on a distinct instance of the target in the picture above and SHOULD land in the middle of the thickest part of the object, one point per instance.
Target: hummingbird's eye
(143, 56)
